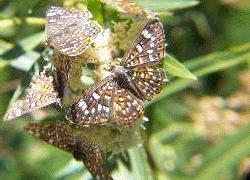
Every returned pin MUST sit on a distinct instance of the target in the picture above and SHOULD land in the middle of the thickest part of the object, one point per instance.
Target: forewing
(93, 158)
(127, 107)
(69, 30)
(149, 80)
(40, 93)
(55, 133)
(95, 106)
(149, 46)
(61, 136)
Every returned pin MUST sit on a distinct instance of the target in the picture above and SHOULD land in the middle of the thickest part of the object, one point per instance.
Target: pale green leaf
(25, 61)
(32, 41)
(73, 167)
(139, 162)
(166, 5)
(5, 46)
(175, 68)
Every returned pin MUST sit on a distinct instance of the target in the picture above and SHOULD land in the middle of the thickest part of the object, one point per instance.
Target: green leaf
(139, 162)
(226, 154)
(5, 46)
(175, 68)
(121, 171)
(32, 41)
(166, 5)
(25, 61)
(72, 168)
(96, 9)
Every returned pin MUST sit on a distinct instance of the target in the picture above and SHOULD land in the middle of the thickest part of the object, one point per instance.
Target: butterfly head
(118, 70)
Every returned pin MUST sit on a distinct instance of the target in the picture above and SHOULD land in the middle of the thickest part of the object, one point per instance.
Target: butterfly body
(119, 97)
(124, 80)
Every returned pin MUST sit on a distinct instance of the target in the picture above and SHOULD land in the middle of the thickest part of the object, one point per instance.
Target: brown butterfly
(119, 97)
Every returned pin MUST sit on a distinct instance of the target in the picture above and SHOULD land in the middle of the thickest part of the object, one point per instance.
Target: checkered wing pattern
(69, 30)
(149, 46)
(92, 157)
(61, 136)
(56, 133)
(95, 106)
(149, 80)
(40, 93)
(127, 108)
(106, 101)
(135, 80)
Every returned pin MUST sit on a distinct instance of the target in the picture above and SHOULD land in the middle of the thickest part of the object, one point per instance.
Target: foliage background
(197, 129)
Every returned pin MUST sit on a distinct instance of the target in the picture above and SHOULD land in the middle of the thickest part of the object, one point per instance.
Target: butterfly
(61, 136)
(69, 30)
(119, 97)
(40, 93)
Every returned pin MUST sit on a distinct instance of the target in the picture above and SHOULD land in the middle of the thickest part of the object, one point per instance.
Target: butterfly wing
(95, 106)
(92, 157)
(61, 136)
(40, 93)
(127, 107)
(149, 80)
(55, 133)
(149, 46)
(69, 30)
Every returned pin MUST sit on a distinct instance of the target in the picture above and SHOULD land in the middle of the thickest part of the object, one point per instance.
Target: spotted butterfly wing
(40, 93)
(70, 31)
(55, 133)
(95, 106)
(61, 136)
(149, 46)
(92, 157)
(106, 102)
(127, 107)
(149, 80)
(143, 58)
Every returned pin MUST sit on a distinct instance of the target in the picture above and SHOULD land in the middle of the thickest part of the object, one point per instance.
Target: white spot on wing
(151, 58)
(86, 112)
(99, 108)
(150, 51)
(82, 104)
(139, 48)
(148, 36)
(95, 96)
(144, 32)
